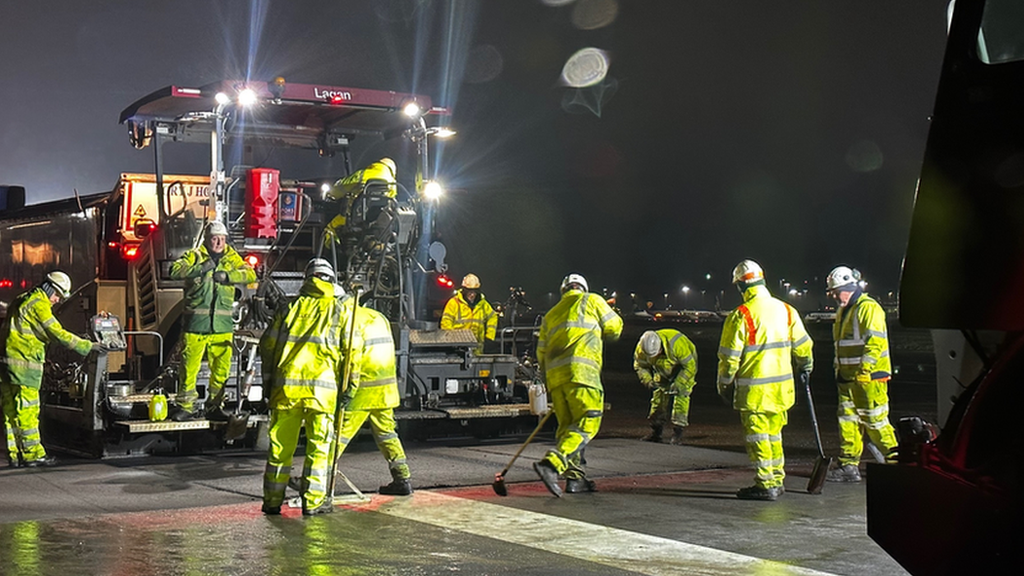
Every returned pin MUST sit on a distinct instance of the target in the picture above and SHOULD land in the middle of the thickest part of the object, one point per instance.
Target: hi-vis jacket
(350, 187)
(481, 318)
(761, 341)
(677, 362)
(303, 348)
(570, 345)
(373, 384)
(207, 303)
(861, 341)
(29, 326)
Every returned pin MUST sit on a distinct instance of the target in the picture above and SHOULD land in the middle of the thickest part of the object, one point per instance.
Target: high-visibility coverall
(569, 351)
(350, 187)
(671, 377)
(207, 325)
(480, 317)
(302, 354)
(863, 369)
(24, 334)
(761, 341)
(373, 389)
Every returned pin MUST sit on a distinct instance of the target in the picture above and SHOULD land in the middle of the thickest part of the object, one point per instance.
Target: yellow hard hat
(391, 165)
(471, 281)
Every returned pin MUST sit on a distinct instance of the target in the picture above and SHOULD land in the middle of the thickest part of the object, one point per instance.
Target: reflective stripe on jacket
(570, 345)
(24, 334)
(303, 348)
(676, 350)
(481, 319)
(207, 303)
(761, 340)
(861, 341)
(374, 385)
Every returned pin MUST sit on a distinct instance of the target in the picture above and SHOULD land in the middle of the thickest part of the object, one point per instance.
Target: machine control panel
(106, 329)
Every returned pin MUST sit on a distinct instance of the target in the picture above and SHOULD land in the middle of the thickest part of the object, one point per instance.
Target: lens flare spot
(864, 156)
(483, 64)
(591, 99)
(586, 67)
(594, 14)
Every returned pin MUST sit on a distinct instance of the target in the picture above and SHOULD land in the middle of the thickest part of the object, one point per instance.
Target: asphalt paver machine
(276, 151)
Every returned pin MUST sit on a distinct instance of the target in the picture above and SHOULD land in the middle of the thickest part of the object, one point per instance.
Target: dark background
(789, 132)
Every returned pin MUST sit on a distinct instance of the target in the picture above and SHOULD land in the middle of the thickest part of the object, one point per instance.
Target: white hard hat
(318, 266)
(61, 281)
(471, 281)
(216, 228)
(746, 272)
(650, 343)
(842, 277)
(574, 279)
(390, 164)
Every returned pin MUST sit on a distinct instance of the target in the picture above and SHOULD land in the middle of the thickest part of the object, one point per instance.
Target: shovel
(499, 479)
(238, 423)
(823, 463)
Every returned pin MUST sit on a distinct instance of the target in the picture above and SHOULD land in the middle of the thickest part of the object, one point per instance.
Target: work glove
(221, 277)
(100, 348)
(207, 265)
(345, 399)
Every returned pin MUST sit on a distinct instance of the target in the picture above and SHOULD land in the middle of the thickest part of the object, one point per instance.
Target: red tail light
(129, 251)
(253, 260)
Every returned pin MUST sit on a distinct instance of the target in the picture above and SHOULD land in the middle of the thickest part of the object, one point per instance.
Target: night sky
(787, 132)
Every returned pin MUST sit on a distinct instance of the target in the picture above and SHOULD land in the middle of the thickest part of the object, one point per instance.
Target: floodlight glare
(222, 98)
(443, 132)
(325, 187)
(412, 110)
(432, 190)
(247, 97)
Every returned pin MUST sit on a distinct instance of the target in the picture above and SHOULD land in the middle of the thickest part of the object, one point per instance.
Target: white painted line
(622, 549)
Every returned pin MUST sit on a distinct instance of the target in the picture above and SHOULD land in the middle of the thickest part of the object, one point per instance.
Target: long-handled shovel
(823, 463)
(238, 423)
(499, 479)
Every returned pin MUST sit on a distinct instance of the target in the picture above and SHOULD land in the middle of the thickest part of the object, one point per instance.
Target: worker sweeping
(863, 369)
(761, 341)
(302, 355)
(665, 361)
(28, 327)
(469, 309)
(570, 353)
(372, 395)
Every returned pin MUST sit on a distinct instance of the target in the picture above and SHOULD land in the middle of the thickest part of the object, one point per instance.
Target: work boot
(271, 510)
(179, 414)
(677, 436)
(295, 483)
(759, 493)
(326, 508)
(578, 485)
(549, 476)
(14, 462)
(396, 488)
(844, 473)
(654, 435)
(44, 461)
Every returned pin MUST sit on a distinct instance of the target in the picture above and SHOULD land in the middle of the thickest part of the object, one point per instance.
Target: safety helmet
(842, 277)
(391, 166)
(216, 228)
(318, 266)
(747, 271)
(574, 279)
(650, 343)
(60, 281)
(471, 282)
